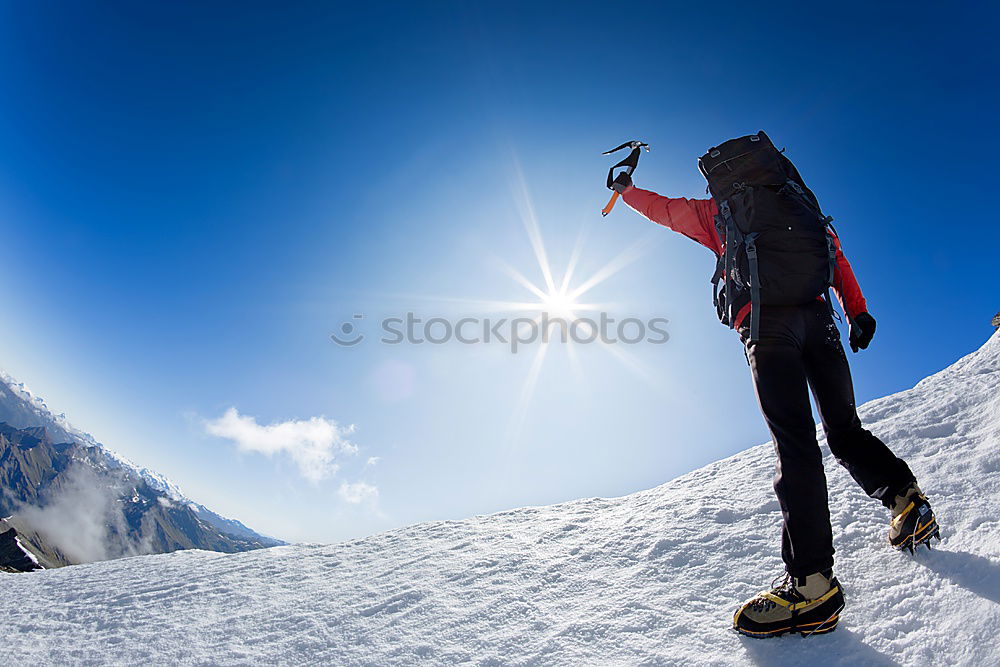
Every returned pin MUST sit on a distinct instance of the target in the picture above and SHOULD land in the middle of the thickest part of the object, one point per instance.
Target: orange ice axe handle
(611, 204)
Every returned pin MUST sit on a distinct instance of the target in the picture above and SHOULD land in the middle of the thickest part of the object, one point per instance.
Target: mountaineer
(777, 257)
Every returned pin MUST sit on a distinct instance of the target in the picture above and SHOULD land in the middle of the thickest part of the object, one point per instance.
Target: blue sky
(194, 197)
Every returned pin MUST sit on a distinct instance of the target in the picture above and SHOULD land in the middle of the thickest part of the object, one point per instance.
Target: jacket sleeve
(845, 284)
(694, 218)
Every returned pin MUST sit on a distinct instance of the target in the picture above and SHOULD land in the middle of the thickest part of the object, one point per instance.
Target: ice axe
(629, 164)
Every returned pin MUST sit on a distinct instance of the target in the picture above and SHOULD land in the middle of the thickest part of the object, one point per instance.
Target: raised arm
(693, 218)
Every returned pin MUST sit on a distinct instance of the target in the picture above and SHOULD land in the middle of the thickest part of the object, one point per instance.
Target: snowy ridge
(44, 416)
(43, 413)
(650, 578)
(27, 552)
(22, 408)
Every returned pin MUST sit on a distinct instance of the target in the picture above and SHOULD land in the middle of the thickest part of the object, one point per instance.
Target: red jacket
(695, 218)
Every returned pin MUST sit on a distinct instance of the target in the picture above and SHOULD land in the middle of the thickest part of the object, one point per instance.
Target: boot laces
(781, 582)
(782, 586)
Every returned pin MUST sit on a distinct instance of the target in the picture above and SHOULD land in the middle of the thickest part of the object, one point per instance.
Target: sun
(562, 299)
(558, 299)
(560, 304)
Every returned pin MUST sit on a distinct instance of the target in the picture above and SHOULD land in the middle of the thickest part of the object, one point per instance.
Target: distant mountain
(14, 555)
(72, 500)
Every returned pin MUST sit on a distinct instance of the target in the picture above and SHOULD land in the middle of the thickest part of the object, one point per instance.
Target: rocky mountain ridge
(71, 500)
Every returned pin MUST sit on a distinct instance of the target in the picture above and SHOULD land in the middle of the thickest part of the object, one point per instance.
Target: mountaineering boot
(913, 520)
(809, 605)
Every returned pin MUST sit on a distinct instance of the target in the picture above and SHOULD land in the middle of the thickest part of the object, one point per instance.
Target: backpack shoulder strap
(751, 244)
(733, 240)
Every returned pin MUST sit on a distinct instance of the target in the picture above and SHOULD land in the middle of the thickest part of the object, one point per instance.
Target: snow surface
(649, 578)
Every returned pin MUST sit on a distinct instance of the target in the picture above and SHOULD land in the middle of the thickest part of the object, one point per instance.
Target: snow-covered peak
(22, 407)
(62, 426)
(44, 416)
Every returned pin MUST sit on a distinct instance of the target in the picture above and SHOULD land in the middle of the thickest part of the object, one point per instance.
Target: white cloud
(83, 517)
(358, 492)
(312, 444)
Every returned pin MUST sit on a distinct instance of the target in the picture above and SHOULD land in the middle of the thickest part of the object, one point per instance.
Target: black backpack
(777, 245)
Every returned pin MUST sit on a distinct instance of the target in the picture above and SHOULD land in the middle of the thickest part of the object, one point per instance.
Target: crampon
(914, 526)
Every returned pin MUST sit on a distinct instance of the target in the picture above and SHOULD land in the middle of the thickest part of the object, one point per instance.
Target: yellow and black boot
(913, 521)
(808, 605)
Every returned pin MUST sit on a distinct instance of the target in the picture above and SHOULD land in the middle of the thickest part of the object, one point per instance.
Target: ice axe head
(627, 144)
(629, 164)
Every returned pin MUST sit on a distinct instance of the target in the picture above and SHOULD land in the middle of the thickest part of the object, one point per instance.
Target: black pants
(799, 349)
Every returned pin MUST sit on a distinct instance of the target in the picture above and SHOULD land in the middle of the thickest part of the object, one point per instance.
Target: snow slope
(650, 578)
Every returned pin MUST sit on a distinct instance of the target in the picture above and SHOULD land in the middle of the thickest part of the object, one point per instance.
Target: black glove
(622, 182)
(862, 330)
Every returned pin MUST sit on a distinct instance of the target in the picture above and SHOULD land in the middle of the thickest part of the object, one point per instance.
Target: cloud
(313, 444)
(83, 517)
(358, 492)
